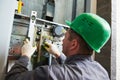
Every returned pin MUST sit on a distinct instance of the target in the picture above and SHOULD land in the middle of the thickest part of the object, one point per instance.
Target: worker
(87, 33)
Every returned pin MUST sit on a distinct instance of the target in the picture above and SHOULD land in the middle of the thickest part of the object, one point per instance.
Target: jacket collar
(79, 57)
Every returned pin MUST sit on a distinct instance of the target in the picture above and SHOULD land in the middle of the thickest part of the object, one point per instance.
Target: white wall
(7, 8)
(115, 51)
(113, 41)
(118, 41)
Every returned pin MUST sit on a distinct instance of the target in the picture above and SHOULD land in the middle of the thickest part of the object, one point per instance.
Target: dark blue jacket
(77, 67)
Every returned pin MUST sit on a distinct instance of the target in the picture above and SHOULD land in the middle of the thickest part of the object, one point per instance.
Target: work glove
(52, 49)
(27, 49)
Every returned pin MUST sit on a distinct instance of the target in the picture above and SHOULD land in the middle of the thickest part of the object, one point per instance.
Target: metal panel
(33, 5)
(90, 6)
(80, 7)
(63, 11)
(50, 10)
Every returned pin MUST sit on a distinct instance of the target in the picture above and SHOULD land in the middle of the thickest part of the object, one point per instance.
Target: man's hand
(27, 49)
(52, 49)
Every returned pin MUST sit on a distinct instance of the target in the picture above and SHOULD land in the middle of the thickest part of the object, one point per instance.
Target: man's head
(73, 44)
(92, 28)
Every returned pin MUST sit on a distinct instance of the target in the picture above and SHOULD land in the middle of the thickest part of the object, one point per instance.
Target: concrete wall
(104, 10)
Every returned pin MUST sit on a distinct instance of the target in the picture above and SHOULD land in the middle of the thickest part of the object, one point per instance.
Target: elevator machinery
(37, 31)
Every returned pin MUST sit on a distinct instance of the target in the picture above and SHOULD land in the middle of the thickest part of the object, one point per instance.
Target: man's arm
(61, 59)
(20, 72)
(53, 49)
(19, 67)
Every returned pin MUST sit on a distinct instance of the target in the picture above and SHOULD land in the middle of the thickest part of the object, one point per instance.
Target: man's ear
(74, 44)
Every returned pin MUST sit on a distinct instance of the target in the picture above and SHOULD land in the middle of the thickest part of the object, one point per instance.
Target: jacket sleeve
(61, 59)
(20, 72)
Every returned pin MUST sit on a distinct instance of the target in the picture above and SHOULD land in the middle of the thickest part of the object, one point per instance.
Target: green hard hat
(94, 29)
